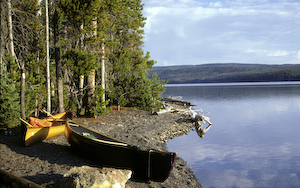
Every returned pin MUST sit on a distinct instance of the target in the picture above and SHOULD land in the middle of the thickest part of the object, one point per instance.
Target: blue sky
(191, 32)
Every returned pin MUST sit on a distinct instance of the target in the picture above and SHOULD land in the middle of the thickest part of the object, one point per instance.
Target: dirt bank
(46, 162)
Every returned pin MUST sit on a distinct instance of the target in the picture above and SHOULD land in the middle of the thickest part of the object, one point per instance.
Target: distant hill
(224, 73)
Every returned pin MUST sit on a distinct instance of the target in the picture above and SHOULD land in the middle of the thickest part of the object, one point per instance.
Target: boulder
(91, 177)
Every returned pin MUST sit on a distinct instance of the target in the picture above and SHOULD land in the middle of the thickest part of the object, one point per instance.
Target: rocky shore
(46, 163)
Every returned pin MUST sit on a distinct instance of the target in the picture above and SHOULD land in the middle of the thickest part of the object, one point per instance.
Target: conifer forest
(79, 55)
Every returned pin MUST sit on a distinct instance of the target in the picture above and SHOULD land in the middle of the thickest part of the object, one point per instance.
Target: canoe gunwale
(116, 141)
(150, 164)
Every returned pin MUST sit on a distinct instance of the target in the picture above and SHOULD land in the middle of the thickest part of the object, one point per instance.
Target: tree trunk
(90, 91)
(47, 59)
(91, 78)
(2, 71)
(23, 92)
(103, 72)
(80, 94)
(10, 30)
(81, 77)
(59, 79)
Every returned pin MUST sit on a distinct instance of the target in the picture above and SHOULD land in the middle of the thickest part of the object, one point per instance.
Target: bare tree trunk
(23, 92)
(59, 79)
(2, 71)
(103, 72)
(91, 77)
(81, 77)
(47, 59)
(81, 83)
(80, 94)
(10, 30)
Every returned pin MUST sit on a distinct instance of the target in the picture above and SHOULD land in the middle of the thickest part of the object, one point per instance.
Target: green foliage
(128, 84)
(119, 28)
(157, 88)
(98, 106)
(29, 48)
(143, 95)
(12, 67)
(80, 62)
(27, 6)
(84, 26)
(9, 100)
(136, 90)
(35, 85)
(122, 100)
(80, 12)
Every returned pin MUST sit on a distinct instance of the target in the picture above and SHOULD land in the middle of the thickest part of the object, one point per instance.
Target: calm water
(255, 137)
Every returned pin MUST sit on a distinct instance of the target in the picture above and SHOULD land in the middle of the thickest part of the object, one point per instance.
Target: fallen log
(167, 108)
(12, 180)
(177, 101)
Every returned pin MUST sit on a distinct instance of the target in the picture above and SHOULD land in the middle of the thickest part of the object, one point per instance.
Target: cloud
(195, 32)
(215, 4)
(241, 166)
(273, 53)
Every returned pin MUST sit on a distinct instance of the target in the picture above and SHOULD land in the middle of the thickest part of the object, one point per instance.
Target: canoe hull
(35, 135)
(145, 164)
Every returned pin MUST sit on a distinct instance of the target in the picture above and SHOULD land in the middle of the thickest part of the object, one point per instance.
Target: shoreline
(46, 162)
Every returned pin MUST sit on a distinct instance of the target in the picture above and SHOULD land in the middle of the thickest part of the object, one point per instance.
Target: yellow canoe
(49, 127)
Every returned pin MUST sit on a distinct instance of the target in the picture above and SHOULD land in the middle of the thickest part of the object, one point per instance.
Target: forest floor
(45, 163)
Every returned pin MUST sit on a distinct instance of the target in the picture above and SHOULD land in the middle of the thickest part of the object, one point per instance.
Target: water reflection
(254, 141)
(200, 131)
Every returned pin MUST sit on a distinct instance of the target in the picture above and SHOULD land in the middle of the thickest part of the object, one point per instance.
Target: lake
(254, 140)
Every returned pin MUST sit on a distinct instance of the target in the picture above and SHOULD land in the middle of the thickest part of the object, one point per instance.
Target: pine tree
(28, 49)
(79, 16)
(84, 26)
(128, 65)
(9, 100)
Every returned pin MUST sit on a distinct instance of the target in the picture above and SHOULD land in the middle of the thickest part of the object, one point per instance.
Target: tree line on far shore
(226, 73)
(96, 58)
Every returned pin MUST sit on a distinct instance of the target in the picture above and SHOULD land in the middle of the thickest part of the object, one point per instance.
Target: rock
(174, 131)
(90, 177)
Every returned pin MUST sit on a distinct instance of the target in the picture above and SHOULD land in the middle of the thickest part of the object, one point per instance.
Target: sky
(193, 32)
